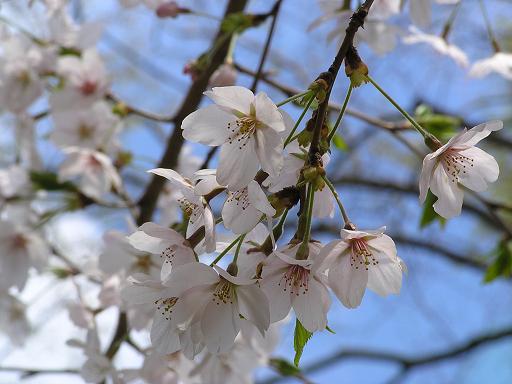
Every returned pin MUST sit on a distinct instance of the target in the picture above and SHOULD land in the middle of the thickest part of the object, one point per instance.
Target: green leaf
(502, 265)
(237, 22)
(429, 215)
(300, 338)
(328, 329)
(49, 181)
(284, 367)
(339, 142)
(440, 125)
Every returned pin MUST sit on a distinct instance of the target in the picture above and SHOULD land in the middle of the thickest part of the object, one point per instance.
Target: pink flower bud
(168, 9)
(224, 76)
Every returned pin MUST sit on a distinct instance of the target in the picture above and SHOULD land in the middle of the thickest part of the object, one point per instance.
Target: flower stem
(297, 123)
(344, 214)
(231, 49)
(237, 251)
(340, 116)
(488, 25)
(277, 231)
(309, 212)
(294, 97)
(225, 251)
(414, 123)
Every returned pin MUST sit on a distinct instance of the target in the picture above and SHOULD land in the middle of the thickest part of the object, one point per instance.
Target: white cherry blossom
(289, 282)
(359, 260)
(169, 245)
(216, 299)
(248, 128)
(91, 127)
(95, 171)
(439, 44)
(194, 206)
(20, 249)
(500, 63)
(13, 319)
(457, 163)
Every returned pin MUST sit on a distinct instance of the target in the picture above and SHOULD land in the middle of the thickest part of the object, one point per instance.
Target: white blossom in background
(439, 44)
(298, 284)
(359, 260)
(14, 181)
(119, 255)
(194, 206)
(500, 63)
(80, 315)
(20, 83)
(26, 142)
(20, 249)
(13, 320)
(94, 170)
(171, 247)
(64, 32)
(91, 127)
(247, 127)
(85, 80)
(455, 163)
(224, 76)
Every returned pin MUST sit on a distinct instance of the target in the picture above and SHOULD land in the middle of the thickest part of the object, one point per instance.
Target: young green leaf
(300, 338)
(502, 265)
(429, 215)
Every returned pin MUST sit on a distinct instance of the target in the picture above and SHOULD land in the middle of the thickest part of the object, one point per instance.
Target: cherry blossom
(224, 76)
(216, 299)
(169, 245)
(500, 63)
(457, 163)
(298, 284)
(91, 127)
(95, 171)
(439, 44)
(13, 319)
(247, 127)
(20, 249)
(362, 259)
(195, 207)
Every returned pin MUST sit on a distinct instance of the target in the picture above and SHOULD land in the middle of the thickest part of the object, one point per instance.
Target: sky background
(442, 304)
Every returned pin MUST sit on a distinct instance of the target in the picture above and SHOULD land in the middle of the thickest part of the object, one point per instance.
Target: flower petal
(233, 98)
(348, 282)
(268, 113)
(238, 164)
(483, 170)
(207, 126)
(220, 324)
(253, 305)
(309, 307)
(449, 194)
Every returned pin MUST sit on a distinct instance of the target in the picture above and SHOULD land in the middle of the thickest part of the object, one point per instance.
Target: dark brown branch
(147, 202)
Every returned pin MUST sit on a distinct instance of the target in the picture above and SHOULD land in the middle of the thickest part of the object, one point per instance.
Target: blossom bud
(224, 76)
(169, 9)
(355, 68)
(433, 143)
(284, 199)
(320, 87)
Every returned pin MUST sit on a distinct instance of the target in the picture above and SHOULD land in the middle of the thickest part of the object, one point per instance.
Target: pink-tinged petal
(482, 170)
(258, 199)
(190, 305)
(209, 229)
(309, 307)
(254, 306)
(220, 324)
(268, 113)
(206, 181)
(348, 282)
(323, 205)
(190, 275)
(164, 335)
(143, 242)
(386, 277)
(141, 294)
(288, 124)
(331, 253)
(429, 163)
(273, 285)
(385, 245)
(475, 134)
(162, 232)
(289, 260)
(238, 214)
(233, 98)
(208, 126)
(449, 194)
(173, 176)
(269, 149)
(237, 280)
(238, 164)
(347, 234)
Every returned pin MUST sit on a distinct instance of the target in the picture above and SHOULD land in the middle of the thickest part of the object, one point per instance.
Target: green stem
(340, 116)
(225, 251)
(488, 25)
(414, 123)
(294, 97)
(297, 123)
(309, 212)
(338, 201)
(231, 49)
(449, 22)
(237, 251)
